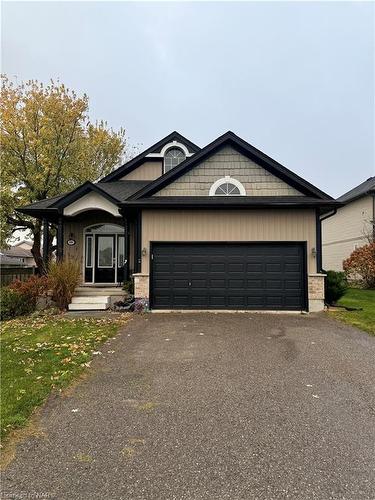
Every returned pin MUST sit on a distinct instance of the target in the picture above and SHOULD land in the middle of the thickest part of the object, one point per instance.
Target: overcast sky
(296, 80)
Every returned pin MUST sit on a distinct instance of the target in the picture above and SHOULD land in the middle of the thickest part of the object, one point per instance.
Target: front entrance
(104, 254)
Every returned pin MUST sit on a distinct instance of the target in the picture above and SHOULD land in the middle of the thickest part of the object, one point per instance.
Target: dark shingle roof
(121, 190)
(360, 190)
(16, 251)
(39, 205)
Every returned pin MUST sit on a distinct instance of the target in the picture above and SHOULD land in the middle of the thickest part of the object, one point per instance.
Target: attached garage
(251, 275)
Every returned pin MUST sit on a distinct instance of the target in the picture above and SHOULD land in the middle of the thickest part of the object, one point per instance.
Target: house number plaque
(71, 242)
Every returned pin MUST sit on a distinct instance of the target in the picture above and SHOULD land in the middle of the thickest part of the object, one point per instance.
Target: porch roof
(117, 192)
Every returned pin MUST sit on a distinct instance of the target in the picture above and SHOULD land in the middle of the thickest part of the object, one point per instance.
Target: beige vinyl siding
(345, 231)
(227, 161)
(228, 225)
(148, 171)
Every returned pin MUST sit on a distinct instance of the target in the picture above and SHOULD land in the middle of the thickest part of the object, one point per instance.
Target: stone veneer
(256, 180)
(315, 291)
(141, 292)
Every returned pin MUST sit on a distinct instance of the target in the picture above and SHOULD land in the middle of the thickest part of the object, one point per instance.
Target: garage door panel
(198, 283)
(217, 267)
(179, 283)
(237, 301)
(180, 267)
(199, 301)
(274, 284)
(217, 283)
(292, 285)
(235, 267)
(236, 283)
(217, 301)
(254, 283)
(199, 267)
(254, 267)
(292, 301)
(234, 276)
(255, 301)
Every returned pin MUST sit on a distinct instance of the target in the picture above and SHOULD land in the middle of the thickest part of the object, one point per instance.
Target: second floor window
(172, 158)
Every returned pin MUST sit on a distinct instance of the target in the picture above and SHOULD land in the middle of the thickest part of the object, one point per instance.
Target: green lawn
(356, 297)
(41, 353)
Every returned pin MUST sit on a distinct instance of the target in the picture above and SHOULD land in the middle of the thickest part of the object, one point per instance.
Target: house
(16, 262)
(6, 261)
(351, 227)
(219, 227)
(22, 252)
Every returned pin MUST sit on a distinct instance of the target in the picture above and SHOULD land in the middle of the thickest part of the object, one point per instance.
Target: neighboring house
(351, 227)
(222, 227)
(6, 261)
(22, 252)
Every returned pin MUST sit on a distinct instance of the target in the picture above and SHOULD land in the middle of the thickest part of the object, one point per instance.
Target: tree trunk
(35, 250)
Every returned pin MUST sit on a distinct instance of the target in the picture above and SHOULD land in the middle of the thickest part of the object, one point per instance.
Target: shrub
(13, 304)
(63, 277)
(336, 286)
(129, 287)
(32, 288)
(361, 264)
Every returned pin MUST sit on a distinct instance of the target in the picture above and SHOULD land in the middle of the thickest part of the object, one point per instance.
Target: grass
(40, 353)
(365, 319)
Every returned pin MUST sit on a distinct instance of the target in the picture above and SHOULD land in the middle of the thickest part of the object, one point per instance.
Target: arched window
(104, 228)
(172, 158)
(227, 186)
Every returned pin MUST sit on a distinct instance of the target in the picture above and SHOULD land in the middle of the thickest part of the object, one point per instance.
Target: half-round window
(172, 158)
(227, 187)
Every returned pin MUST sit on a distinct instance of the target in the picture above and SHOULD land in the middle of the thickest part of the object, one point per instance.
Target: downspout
(319, 221)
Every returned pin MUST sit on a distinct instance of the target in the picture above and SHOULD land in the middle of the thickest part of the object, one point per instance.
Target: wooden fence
(10, 274)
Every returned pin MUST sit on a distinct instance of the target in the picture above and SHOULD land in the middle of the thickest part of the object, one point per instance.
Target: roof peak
(132, 164)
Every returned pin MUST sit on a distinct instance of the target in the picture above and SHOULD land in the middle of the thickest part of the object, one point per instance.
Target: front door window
(105, 251)
(105, 268)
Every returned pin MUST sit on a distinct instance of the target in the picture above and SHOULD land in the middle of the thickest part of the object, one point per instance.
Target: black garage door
(228, 276)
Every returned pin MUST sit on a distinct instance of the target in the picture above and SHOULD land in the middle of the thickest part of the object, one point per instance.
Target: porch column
(45, 241)
(126, 248)
(60, 239)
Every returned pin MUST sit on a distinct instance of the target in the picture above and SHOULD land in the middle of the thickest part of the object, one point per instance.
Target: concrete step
(88, 307)
(94, 299)
(88, 291)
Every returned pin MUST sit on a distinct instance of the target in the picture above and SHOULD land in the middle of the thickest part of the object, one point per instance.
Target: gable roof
(155, 148)
(116, 192)
(231, 139)
(16, 251)
(362, 189)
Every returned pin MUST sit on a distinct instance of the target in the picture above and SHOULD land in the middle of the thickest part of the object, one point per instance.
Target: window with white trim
(172, 158)
(227, 186)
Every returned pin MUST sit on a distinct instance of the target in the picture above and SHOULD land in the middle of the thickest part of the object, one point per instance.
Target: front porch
(105, 246)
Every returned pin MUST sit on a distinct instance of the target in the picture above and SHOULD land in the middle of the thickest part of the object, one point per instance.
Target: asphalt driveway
(212, 406)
